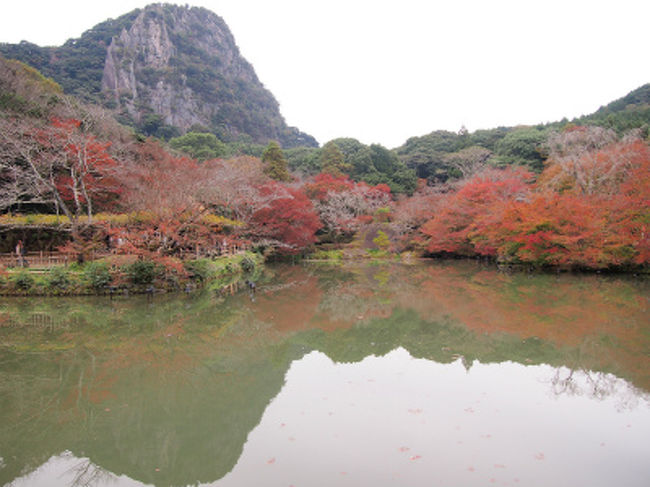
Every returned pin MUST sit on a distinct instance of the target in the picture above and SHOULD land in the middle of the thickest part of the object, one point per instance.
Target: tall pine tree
(333, 160)
(275, 164)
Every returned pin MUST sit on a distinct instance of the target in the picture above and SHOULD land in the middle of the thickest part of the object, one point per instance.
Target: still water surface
(386, 375)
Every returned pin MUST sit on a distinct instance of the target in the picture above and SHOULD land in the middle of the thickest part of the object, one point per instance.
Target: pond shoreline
(223, 271)
(119, 275)
(410, 258)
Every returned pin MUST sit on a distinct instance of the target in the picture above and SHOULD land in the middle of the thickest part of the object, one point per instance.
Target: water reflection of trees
(134, 385)
(86, 474)
(596, 385)
(601, 321)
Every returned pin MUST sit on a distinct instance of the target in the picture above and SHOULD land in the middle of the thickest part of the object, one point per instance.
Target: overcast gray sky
(382, 71)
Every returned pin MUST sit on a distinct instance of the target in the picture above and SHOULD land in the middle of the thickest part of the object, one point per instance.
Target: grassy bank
(120, 274)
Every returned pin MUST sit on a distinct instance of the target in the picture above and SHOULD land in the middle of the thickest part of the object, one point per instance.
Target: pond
(429, 374)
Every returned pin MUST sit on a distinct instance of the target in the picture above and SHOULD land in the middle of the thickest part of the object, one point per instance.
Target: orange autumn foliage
(592, 213)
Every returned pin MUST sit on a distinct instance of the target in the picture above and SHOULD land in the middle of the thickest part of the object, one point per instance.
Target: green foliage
(78, 65)
(23, 280)
(428, 154)
(142, 272)
(247, 263)
(378, 253)
(333, 160)
(334, 255)
(244, 147)
(58, 278)
(26, 91)
(206, 270)
(204, 50)
(431, 155)
(97, 275)
(522, 146)
(304, 160)
(627, 113)
(373, 164)
(153, 125)
(199, 146)
(275, 164)
(201, 270)
(381, 240)
(636, 98)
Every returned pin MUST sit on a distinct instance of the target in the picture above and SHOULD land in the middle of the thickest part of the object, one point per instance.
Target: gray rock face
(181, 67)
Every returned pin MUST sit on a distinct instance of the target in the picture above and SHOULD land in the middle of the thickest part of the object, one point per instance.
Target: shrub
(97, 275)
(58, 278)
(171, 270)
(142, 272)
(333, 255)
(248, 264)
(381, 240)
(23, 280)
(201, 269)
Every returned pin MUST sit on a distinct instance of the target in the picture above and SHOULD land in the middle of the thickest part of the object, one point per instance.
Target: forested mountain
(631, 111)
(166, 69)
(70, 174)
(443, 154)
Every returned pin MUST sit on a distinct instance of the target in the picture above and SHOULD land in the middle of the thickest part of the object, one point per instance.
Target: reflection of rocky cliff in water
(167, 391)
(159, 427)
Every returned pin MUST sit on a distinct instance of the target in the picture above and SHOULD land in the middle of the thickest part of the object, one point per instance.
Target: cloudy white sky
(382, 71)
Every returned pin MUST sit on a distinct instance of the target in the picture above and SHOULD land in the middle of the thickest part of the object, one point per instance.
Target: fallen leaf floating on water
(271, 461)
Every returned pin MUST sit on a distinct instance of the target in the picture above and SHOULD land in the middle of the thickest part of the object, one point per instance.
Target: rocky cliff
(166, 69)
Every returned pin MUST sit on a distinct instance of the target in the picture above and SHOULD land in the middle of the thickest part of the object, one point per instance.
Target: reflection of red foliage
(584, 312)
(292, 308)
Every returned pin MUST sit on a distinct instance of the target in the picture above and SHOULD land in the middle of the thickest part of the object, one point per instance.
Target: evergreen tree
(333, 160)
(200, 146)
(275, 164)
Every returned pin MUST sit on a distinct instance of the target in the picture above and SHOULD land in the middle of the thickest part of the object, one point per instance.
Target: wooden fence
(34, 259)
(42, 259)
(46, 259)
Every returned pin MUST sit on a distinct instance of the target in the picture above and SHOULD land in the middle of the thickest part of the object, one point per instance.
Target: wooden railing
(34, 259)
(46, 259)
